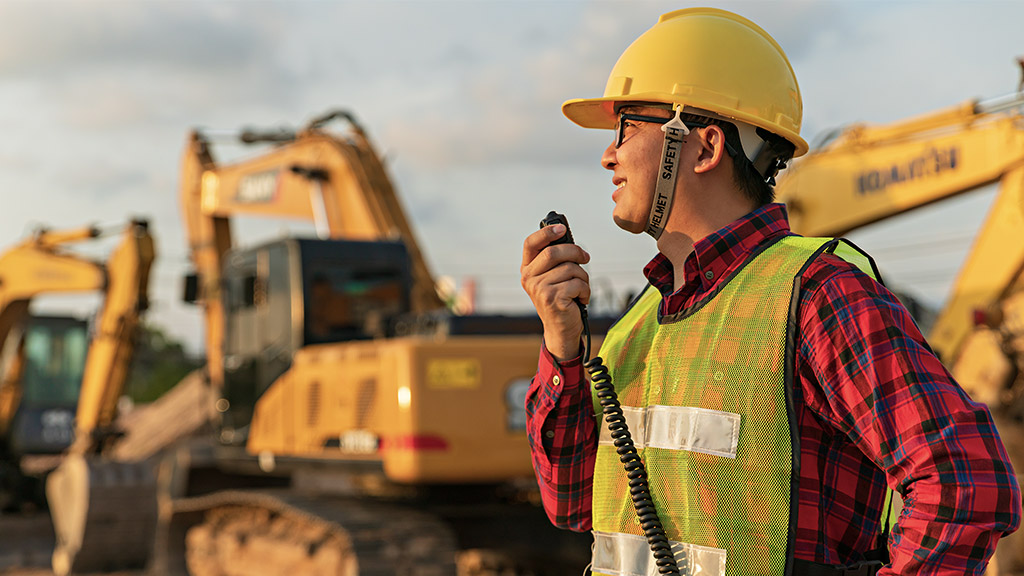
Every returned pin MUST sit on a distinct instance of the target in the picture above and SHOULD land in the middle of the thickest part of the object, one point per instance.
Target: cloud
(48, 37)
(908, 60)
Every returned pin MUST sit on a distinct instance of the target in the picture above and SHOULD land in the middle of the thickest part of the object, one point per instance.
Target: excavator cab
(290, 293)
(353, 290)
(53, 351)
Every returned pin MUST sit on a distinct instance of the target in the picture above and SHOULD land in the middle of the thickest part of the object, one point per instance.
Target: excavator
(55, 377)
(361, 427)
(45, 358)
(868, 173)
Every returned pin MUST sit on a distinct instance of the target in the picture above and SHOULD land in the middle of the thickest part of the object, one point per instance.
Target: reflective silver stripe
(634, 420)
(681, 428)
(694, 429)
(629, 555)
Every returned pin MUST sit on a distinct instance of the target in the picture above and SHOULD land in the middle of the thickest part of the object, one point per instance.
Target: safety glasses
(625, 119)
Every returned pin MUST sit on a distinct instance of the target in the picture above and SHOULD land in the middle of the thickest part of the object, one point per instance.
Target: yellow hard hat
(705, 58)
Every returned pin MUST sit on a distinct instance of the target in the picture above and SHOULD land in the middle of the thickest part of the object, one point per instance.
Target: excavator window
(248, 294)
(351, 304)
(53, 351)
(54, 362)
(190, 289)
(353, 290)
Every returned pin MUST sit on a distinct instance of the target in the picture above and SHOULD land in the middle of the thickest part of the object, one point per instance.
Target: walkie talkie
(556, 218)
(639, 489)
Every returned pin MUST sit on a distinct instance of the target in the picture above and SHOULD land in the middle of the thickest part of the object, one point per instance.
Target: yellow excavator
(361, 427)
(868, 173)
(46, 358)
(60, 384)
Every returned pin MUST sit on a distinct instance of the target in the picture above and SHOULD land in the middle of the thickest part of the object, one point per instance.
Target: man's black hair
(756, 186)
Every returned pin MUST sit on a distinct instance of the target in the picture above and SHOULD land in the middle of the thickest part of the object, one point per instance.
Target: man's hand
(552, 277)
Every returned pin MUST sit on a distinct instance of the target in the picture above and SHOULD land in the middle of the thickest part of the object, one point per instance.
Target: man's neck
(677, 242)
(677, 247)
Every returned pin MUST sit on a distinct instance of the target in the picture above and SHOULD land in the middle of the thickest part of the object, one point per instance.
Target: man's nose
(608, 158)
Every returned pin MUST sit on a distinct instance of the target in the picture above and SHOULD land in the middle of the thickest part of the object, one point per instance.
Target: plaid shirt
(873, 405)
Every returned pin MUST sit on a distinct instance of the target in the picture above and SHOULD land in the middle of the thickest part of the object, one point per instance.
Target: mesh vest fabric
(726, 354)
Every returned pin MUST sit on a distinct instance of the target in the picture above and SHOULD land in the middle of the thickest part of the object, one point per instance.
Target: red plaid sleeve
(868, 373)
(561, 428)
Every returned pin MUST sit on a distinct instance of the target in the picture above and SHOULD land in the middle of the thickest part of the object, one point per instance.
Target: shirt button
(556, 380)
(709, 275)
(550, 433)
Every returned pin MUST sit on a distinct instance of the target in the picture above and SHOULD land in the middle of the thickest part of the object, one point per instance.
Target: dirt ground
(44, 571)
(26, 542)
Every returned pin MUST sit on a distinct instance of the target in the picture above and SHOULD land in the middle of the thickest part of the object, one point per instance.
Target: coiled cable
(639, 489)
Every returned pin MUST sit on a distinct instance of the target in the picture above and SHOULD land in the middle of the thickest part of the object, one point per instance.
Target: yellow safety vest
(707, 395)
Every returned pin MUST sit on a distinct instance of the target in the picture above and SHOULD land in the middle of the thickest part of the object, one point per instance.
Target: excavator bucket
(104, 514)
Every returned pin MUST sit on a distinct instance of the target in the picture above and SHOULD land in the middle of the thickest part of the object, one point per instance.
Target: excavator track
(269, 533)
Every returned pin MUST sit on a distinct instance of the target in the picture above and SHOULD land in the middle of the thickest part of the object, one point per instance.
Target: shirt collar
(714, 255)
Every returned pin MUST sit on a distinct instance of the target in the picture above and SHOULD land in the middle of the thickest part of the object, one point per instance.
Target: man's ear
(712, 148)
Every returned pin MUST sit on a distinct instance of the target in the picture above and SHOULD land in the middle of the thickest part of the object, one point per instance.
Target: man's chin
(629, 225)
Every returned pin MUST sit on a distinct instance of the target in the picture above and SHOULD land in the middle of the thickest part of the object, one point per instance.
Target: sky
(462, 98)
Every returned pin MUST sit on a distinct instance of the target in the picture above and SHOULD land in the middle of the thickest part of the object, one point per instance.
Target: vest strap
(808, 568)
(620, 554)
(681, 428)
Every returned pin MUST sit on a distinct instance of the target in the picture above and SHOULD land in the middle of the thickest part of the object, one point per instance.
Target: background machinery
(869, 173)
(59, 373)
(46, 358)
(360, 427)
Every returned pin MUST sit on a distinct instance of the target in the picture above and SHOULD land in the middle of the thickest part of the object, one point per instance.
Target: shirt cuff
(566, 374)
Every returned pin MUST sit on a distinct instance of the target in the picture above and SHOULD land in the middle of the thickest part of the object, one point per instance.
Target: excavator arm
(111, 348)
(337, 183)
(869, 173)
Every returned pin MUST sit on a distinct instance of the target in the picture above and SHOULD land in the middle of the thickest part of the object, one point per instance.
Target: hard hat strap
(664, 190)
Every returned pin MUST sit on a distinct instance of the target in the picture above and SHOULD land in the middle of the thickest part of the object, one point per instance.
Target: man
(774, 390)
